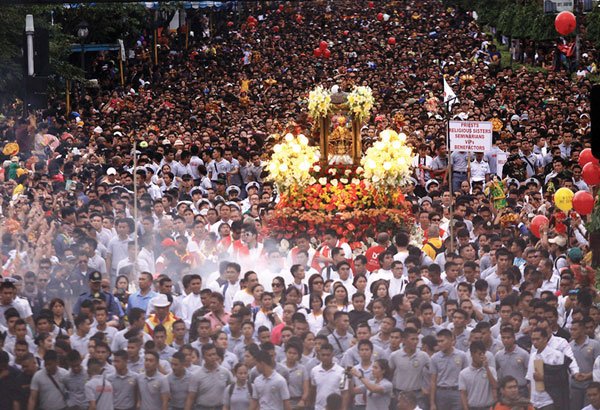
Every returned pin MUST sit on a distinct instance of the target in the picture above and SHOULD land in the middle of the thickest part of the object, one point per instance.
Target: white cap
(98, 130)
(111, 171)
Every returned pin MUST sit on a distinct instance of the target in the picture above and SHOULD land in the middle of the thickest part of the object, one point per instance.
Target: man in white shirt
(229, 289)
(541, 351)
(192, 301)
(479, 169)
(328, 378)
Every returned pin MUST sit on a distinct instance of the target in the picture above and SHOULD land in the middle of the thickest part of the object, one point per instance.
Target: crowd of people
(182, 301)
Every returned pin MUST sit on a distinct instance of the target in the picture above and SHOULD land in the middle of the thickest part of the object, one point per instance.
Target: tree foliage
(524, 19)
(107, 23)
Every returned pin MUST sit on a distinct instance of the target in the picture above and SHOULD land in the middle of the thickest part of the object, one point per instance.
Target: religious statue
(339, 134)
(340, 142)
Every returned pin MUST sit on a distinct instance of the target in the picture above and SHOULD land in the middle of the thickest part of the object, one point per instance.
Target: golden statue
(340, 142)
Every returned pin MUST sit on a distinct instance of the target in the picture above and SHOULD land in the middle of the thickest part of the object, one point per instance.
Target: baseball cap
(558, 240)
(111, 171)
(95, 276)
(575, 254)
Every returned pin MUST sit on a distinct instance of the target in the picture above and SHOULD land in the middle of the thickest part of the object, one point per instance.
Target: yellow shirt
(428, 248)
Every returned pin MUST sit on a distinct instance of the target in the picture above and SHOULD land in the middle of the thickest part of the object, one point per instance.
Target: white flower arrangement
(387, 162)
(360, 102)
(291, 162)
(319, 102)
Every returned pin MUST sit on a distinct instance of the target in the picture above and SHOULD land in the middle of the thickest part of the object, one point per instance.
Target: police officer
(95, 292)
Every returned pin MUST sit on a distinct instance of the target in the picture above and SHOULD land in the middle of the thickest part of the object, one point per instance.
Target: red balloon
(317, 52)
(371, 4)
(537, 222)
(591, 174)
(392, 41)
(583, 203)
(565, 23)
(327, 53)
(586, 157)
(379, 16)
(230, 24)
(323, 45)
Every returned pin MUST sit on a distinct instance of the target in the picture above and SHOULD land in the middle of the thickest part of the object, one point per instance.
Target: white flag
(449, 95)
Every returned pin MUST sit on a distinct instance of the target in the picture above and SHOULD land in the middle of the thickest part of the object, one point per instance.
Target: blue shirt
(112, 304)
(137, 300)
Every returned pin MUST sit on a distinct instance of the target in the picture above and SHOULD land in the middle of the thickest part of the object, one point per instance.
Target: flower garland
(319, 102)
(387, 162)
(360, 102)
(291, 162)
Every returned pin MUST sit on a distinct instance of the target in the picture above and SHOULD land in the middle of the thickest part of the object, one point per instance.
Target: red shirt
(372, 254)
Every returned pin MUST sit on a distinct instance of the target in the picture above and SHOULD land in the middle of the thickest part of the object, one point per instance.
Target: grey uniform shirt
(585, 355)
(351, 357)
(297, 376)
(237, 398)
(75, 384)
(100, 390)
(179, 388)
(513, 364)
(477, 385)
(462, 340)
(151, 389)
(409, 370)
(137, 366)
(378, 401)
(279, 368)
(209, 385)
(448, 367)
(340, 343)
(124, 389)
(270, 391)
(49, 397)
(459, 161)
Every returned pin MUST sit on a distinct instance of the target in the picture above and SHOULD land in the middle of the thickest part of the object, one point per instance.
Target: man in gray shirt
(179, 381)
(270, 390)
(410, 366)
(512, 360)
(477, 382)
(208, 383)
(75, 382)
(48, 391)
(459, 160)
(586, 351)
(153, 387)
(98, 390)
(446, 365)
(124, 383)
(340, 338)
